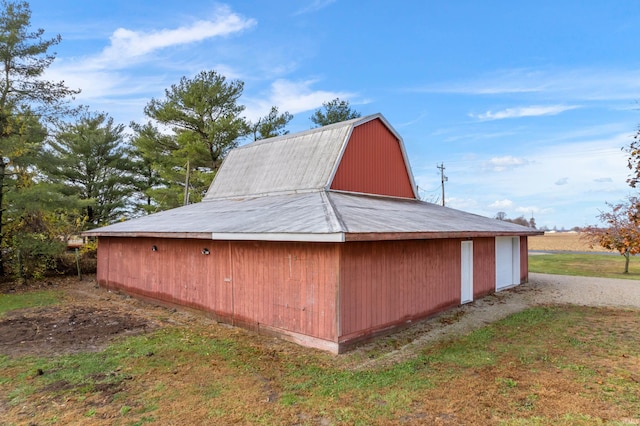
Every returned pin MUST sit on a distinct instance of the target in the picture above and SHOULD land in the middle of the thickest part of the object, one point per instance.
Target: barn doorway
(507, 262)
(466, 290)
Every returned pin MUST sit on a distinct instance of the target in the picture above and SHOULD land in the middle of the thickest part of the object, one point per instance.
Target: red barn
(318, 237)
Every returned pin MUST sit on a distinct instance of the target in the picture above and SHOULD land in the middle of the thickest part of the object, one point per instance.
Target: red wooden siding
(524, 259)
(484, 266)
(177, 272)
(373, 163)
(387, 283)
(288, 286)
(325, 295)
(102, 274)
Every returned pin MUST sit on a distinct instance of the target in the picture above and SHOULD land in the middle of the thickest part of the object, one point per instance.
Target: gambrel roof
(286, 189)
(301, 162)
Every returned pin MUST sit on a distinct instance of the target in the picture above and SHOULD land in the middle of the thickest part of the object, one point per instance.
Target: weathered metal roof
(298, 162)
(278, 190)
(312, 216)
(367, 214)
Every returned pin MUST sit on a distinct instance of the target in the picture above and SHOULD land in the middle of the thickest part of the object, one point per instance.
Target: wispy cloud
(529, 111)
(314, 6)
(560, 83)
(562, 181)
(293, 97)
(603, 180)
(126, 45)
(507, 162)
(501, 204)
(108, 75)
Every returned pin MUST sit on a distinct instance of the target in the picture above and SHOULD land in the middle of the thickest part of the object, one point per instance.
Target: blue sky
(527, 104)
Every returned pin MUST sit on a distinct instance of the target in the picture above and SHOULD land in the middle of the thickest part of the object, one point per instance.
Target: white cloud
(467, 204)
(501, 204)
(314, 6)
(532, 210)
(127, 45)
(529, 111)
(562, 181)
(570, 204)
(115, 73)
(293, 97)
(558, 83)
(507, 162)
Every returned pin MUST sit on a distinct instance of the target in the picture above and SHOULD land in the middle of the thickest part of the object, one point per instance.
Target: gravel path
(541, 289)
(584, 290)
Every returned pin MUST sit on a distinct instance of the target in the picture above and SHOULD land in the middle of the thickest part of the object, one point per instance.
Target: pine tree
(204, 115)
(92, 160)
(25, 98)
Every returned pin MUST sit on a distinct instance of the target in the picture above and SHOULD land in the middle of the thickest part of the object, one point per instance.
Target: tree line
(65, 169)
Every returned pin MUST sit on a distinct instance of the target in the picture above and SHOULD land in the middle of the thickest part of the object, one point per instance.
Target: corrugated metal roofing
(372, 214)
(312, 216)
(277, 189)
(301, 162)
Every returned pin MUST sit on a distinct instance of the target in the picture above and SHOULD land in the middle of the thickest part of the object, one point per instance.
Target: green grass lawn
(32, 299)
(530, 368)
(588, 265)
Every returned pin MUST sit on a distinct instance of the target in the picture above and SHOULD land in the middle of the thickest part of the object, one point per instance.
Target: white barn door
(507, 262)
(466, 293)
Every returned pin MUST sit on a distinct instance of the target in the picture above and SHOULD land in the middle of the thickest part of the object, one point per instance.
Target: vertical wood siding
(332, 292)
(177, 272)
(484, 266)
(373, 163)
(288, 286)
(387, 283)
(102, 273)
(524, 259)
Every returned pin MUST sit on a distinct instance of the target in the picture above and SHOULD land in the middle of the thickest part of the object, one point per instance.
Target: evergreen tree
(91, 159)
(271, 125)
(152, 152)
(37, 212)
(333, 111)
(204, 115)
(24, 95)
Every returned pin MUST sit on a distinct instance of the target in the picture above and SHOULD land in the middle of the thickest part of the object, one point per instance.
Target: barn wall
(177, 272)
(280, 287)
(102, 273)
(484, 266)
(524, 259)
(373, 163)
(388, 283)
(290, 286)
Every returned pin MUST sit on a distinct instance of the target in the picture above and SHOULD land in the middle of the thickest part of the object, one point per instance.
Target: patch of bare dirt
(68, 329)
(88, 320)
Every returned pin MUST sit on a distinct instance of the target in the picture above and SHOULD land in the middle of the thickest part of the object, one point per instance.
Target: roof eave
(334, 237)
(388, 236)
(148, 234)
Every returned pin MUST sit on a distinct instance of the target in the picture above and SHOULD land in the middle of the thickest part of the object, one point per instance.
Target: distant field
(562, 241)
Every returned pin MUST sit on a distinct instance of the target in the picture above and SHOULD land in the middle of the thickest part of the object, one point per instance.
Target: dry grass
(546, 365)
(563, 241)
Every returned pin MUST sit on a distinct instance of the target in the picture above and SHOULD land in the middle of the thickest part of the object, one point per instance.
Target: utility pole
(443, 179)
(186, 184)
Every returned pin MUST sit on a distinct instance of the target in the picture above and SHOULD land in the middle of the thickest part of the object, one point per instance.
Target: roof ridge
(351, 122)
(334, 218)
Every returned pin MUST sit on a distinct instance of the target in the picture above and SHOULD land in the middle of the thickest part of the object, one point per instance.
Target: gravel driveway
(541, 289)
(584, 290)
